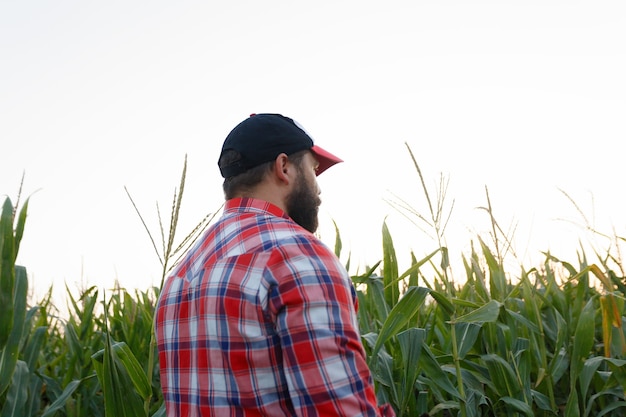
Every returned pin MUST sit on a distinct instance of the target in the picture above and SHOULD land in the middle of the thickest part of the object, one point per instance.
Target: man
(259, 318)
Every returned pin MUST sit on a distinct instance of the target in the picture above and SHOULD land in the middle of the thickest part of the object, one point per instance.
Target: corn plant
(122, 369)
(531, 346)
(547, 342)
(544, 341)
(21, 337)
(16, 373)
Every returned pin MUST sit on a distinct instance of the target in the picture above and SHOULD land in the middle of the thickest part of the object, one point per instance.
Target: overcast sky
(520, 97)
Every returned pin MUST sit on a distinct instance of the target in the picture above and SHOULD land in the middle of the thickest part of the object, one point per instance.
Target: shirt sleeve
(315, 318)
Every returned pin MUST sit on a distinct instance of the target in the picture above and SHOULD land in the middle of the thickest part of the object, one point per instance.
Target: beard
(303, 204)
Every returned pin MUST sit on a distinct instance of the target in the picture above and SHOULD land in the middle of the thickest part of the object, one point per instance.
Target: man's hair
(244, 183)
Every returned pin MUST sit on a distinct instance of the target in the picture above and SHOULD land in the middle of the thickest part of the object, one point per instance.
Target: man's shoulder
(288, 232)
(295, 242)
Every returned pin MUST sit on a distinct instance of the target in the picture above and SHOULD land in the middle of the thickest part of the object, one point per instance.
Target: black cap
(262, 137)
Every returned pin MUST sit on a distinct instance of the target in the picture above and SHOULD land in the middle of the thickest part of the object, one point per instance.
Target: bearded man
(259, 318)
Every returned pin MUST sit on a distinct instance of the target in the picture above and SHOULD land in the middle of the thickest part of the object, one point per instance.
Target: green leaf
(33, 405)
(34, 346)
(472, 400)
(72, 341)
(410, 341)
(618, 369)
(383, 369)
(443, 302)
(518, 405)
(376, 296)
(488, 313)
(466, 336)
(497, 277)
(390, 268)
(542, 401)
(17, 395)
(610, 407)
(589, 369)
(444, 406)
(19, 227)
(401, 314)
(502, 375)
(523, 321)
(373, 300)
(126, 360)
(338, 244)
(571, 408)
(558, 365)
(88, 305)
(160, 412)
(7, 272)
(416, 265)
(434, 371)
(59, 403)
(583, 340)
(9, 355)
(120, 397)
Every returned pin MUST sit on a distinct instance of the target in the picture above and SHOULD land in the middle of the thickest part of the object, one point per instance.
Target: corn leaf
(126, 360)
(338, 244)
(487, 313)
(589, 369)
(7, 273)
(444, 406)
(517, 405)
(571, 408)
(17, 395)
(120, 399)
(9, 355)
(410, 341)
(160, 412)
(502, 375)
(559, 365)
(497, 277)
(390, 268)
(443, 302)
(466, 336)
(383, 371)
(542, 401)
(401, 314)
(19, 226)
(610, 407)
(434, 371)
(583, 340)
(33, 405)
(59, 403)
(34, 347)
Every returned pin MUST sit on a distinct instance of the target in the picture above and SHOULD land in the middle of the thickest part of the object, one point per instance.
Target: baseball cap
(262, 137)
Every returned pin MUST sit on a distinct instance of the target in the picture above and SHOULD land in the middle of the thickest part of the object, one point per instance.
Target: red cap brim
(324, 158)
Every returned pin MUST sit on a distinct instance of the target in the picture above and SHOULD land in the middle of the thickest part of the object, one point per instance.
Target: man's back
(259, 319)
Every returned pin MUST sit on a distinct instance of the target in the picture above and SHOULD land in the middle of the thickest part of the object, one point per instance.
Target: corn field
(548, 341)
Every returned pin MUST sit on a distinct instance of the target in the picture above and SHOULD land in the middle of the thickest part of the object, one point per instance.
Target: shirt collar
(247, 204)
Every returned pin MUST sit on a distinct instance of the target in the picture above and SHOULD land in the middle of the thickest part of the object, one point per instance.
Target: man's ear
(282, 168)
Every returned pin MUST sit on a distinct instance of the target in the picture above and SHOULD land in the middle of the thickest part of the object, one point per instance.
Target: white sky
(521, 97)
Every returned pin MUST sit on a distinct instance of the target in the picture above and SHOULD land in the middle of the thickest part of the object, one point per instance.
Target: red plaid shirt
(259, 320)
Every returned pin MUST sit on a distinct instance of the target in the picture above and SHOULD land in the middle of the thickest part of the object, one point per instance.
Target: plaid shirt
(259, 320)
